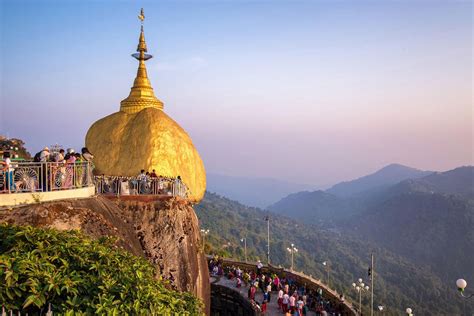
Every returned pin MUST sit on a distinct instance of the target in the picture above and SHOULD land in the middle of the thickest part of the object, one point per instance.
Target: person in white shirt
(259, 267)
(44, 155)
(286, 301)
(8, 169)
(292, 303)
(280, 299)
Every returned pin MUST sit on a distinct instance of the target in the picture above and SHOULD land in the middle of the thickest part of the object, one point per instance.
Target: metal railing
(45, 176)
(114, 185)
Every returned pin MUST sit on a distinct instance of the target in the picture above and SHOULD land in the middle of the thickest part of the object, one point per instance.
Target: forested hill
(399, 283)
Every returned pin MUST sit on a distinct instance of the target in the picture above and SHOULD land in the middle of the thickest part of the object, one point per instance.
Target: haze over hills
(258, 192)
(384, 177)
(346, 198)
(427, 220)
(399, 281)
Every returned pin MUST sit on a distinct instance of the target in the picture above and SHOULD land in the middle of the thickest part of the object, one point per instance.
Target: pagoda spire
(141, 94)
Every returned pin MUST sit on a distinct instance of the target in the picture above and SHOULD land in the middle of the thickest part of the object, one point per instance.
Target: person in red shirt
(264, 306)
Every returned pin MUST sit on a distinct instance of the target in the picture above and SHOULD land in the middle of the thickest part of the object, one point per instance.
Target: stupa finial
(141, 95)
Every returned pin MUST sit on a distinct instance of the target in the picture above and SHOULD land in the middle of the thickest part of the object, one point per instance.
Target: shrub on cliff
(78, 276)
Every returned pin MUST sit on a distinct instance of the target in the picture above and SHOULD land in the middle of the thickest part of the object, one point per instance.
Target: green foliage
(80, 276)
(399, 282)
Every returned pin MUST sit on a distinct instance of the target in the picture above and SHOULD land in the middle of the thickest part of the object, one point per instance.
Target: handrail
(119, 185)
(45, 176)
(295, 275)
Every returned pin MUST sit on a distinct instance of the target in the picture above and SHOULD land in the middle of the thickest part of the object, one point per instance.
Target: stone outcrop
(166, 231)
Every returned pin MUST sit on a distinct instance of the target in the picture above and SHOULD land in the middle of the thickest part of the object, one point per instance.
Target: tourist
(239, 282)
(280, 299)
(286, 302)
(276, 282)
(45, 154)
(264, 306)
(59, 156)
(259, 267)
(252, 291)
(299, 306)
(292, 303)
(142, 175)
(153, 174)
(8, 170)
(70, 157)
(86, 154)
(269, 290)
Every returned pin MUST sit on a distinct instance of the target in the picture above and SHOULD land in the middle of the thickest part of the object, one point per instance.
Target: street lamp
(292, 250)
(267, 218)
(380, 307)
(204, 232)
(461, 285)
(244, 240)
(409, 311)
(360, 287)
(326, 264)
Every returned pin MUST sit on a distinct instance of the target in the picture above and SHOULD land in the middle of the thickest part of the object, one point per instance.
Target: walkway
(272, 308)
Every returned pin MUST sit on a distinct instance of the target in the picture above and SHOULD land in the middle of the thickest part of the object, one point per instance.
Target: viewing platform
(35, 182)
(224, 291)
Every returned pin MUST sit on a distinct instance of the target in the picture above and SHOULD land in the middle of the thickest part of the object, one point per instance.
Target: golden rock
(142, 136)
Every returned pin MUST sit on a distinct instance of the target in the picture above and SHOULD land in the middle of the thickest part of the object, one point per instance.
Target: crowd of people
(292, 298)
(144, 183)
(60, 174)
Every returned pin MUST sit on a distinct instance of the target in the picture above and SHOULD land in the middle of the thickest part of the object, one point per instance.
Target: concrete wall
(16, 199)
(226, 301)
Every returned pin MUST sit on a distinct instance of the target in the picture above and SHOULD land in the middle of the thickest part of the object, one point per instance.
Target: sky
(311, 92)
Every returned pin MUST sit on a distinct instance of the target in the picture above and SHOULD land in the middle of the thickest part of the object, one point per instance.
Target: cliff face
(165, 231)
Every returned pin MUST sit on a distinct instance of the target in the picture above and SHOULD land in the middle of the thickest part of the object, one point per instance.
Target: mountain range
(399, 282)
(258, 192)
(420, 225)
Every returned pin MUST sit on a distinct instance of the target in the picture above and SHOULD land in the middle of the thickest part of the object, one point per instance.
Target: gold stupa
(142, 136)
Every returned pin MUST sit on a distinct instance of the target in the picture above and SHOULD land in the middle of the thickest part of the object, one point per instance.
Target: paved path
(272, 308)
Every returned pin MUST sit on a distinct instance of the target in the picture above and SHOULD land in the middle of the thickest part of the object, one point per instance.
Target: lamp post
(326, 264)
(244, 240)
(204, 232)
(360, 287)
(267, 218)
(461, 285)
(292, 250)
(409, 311)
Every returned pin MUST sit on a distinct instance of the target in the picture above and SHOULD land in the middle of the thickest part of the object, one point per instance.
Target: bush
(80, 276)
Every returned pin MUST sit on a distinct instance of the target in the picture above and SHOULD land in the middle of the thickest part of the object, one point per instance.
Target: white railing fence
(45, 176)
(140, 186)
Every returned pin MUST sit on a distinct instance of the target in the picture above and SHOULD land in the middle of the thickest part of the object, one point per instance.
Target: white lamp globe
(360, 280)
(362, 284)
(357, 288)
(461, 284)
(367, 288)
(353, 284)
(409, 311)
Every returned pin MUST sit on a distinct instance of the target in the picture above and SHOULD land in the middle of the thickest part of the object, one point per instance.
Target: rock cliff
(166, 231)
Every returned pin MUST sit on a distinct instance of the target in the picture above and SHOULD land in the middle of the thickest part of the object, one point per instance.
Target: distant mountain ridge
(384, 177)
(258, 192)
(325, 206)
(400, 282)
